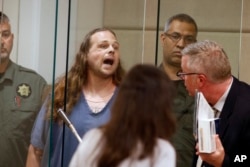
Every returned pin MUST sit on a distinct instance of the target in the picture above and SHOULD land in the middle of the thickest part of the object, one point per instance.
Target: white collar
(220, 103)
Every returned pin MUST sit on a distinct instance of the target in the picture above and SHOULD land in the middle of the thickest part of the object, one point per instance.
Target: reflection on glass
(47, 36)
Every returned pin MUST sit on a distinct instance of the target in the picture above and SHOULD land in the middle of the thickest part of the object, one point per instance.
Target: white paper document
(204, 124)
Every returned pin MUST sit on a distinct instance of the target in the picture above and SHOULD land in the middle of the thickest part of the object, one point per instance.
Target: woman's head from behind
(144, 103)
(141, 113)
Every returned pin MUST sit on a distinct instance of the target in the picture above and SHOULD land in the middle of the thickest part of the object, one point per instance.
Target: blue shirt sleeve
(40, 129)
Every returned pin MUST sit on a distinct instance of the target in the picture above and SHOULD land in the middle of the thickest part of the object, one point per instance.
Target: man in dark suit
(206, 68)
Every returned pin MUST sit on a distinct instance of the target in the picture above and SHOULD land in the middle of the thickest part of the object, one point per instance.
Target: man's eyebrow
(107, 41)
(5, 31)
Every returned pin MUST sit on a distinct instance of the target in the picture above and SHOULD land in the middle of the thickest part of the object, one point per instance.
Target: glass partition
(48, 33)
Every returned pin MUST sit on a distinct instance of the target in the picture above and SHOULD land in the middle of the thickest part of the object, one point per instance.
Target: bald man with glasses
(180, 30)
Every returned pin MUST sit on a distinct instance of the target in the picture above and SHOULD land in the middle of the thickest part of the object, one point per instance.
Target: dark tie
(216, 112)
(217, 120)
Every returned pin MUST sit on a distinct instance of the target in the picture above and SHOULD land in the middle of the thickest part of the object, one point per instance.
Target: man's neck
(3, 65)
(100, 87)
(171, 71)
(218, 90)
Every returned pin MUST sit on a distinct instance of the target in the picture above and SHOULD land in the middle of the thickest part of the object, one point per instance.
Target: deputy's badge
(23, 90)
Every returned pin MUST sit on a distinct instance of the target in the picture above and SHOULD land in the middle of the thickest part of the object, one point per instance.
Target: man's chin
(3, 56)
(176, 61)
(176, 64)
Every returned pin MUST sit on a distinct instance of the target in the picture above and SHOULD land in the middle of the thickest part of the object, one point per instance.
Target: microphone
(69, 124)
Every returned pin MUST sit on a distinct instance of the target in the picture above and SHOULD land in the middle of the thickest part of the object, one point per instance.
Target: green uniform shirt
(183, 140)
(20, 100)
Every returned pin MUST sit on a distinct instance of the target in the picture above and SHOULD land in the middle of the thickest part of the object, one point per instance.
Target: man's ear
(201, 80)
(163, 37)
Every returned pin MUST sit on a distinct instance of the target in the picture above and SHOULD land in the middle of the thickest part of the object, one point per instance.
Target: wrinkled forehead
(185, 63)
(5, 26)
(184, 28)
(103, 37)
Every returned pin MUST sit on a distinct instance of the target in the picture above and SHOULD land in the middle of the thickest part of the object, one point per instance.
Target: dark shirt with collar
(183, 140)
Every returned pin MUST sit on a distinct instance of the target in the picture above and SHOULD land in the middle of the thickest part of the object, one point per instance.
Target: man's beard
(3, 57)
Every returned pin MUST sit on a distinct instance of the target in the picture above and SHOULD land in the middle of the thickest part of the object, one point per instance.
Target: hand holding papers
(205, 124)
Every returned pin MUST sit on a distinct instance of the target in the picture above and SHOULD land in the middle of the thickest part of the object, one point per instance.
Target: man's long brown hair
(77, 77)
(141, 113)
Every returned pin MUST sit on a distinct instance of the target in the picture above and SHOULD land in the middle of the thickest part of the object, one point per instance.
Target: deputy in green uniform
(20, 100)
(179, 31)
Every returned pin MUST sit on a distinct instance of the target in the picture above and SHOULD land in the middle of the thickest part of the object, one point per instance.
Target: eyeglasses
(176, 37)
(182, 74)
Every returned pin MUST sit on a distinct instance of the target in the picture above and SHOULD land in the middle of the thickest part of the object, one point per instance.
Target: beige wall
(135, 22)
(244, 67)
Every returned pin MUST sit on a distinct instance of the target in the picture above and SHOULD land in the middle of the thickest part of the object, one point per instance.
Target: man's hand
(215, 158)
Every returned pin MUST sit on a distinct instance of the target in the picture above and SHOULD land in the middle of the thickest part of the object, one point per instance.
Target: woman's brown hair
(141, 113)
